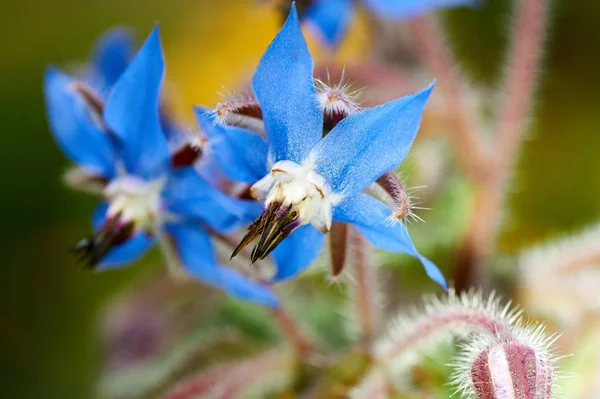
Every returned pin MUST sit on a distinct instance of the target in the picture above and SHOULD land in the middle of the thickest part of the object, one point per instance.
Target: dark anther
(273, 225)
(92, 249)
(186, 155)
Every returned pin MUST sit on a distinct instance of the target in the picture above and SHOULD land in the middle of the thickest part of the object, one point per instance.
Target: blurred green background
(49, 305)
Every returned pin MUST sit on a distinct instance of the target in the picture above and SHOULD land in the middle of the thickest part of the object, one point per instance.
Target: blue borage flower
(110, 56)
(331, 18)
(77, 121)
(305, 180)
(148, 196)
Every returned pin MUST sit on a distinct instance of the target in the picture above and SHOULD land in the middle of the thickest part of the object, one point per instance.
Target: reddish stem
(366, 287)
(228, 380)
(425, 328)
(436, 56)
(520, 82)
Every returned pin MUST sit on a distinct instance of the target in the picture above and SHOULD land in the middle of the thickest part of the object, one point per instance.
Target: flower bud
(510, 370)
(337, 102)
(517, 366)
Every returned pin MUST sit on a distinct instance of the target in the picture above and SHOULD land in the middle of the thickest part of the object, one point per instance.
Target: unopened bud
(240, 110)
(337, 101)
(510, 370)
(517, 366)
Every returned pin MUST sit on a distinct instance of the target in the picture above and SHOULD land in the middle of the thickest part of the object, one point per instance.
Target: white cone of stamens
(134, 200)
(300, 187)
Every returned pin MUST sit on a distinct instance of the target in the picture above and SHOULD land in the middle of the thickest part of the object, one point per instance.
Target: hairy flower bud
(510, 370)
(517, 366)
(240, 110)
(337, 101)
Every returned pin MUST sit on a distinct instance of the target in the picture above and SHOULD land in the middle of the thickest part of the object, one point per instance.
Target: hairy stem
(229, 380)
(438, 59)
(520, 82)
(447, 319)
(366, 288)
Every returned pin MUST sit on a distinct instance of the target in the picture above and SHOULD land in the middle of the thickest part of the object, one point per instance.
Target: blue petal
(187, 194)
(195, 250)
(297, 252)
(365, 145)
(76, 133)
(369, 215)
(244, 288)
(283, 84)
(111, 55)
(330, 18)
(197, 255)
(241, 154)
(406, 9)
(123, 254)
(132, 111)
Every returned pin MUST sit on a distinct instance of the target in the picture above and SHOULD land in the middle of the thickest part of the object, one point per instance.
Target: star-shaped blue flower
(147, 198)
(305, 180)
(331, 18)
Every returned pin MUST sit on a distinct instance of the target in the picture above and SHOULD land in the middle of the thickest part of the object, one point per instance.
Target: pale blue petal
(111, 55)
(195, 250)
(297, 252)
(132, 111)
(241, 154)
(73, 128)
(244, 288)
(126, 253)
(406, 9)
(330, 19)
(370, 215)
(187, 194)
(367, 144)
(197, 255)
(283, 84)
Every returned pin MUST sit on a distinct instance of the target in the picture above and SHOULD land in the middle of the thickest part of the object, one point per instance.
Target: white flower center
(300, 187)
(134, 200)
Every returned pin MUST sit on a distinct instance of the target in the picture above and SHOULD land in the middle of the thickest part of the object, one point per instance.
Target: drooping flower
(307, 181)
(331, 18)
(148, 197)
(76, 116)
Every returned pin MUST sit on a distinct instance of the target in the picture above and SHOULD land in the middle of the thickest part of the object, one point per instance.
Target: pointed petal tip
(155, 30)
(426, 92)
(292, 21)
(120, 34)
(153, 42)
(294, 12)
(53, 75)
(433, 272)
(50, 71)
